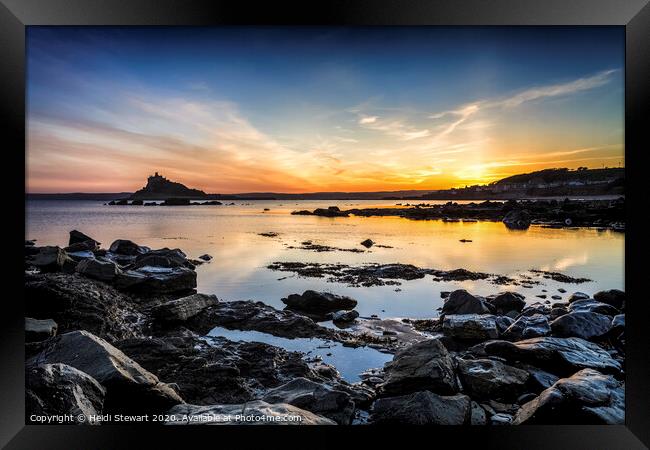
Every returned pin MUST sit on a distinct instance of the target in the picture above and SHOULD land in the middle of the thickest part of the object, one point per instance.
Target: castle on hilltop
(159, 187)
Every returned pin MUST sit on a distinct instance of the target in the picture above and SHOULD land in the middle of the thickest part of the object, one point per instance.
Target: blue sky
(239, 109)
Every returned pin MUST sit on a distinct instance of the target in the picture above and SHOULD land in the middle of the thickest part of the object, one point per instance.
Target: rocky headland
(122, 330)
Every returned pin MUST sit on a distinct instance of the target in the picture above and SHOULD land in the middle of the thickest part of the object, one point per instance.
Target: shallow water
(350, 362)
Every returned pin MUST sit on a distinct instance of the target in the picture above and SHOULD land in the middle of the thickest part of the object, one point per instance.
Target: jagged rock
(535, 308)
(181, 309)
(126, 247)
(318, 398)
(462, 302)
(578, 296)
(503, 323)
(129, 387)
(517, 219)
(368, 243)
(478, 416)
(39, 330)
(344, 317)
(51, 259)
(79, 303)
(82, 247)
(163, 257)
(157, 280)
(585, 325)
(470, 326)
(618, 323)
(423, 408)
(526, 327)
(205, 257)
(562, 356)
(313, 301)
(77, 237)
(613, 297)
(220, 371)
(507, 301)
(425, 365)
(487, 378)
(590, 305)
(257, 316)
(98, 269)
(256, 412)
(57, 389)
(587, 397)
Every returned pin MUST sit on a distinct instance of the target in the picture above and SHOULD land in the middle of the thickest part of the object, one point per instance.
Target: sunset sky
(233, 109)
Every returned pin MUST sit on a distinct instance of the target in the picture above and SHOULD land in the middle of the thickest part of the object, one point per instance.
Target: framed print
(357, 217)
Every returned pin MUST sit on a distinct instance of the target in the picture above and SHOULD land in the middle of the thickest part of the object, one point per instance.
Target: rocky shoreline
(515, 214)
(122, 330)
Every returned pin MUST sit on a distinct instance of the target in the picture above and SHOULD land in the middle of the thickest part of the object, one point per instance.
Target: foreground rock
(613, 297)
(150, 280)
(39, 330)
(462, 302)
(426, 365)
(98, 269)
(562, 356)
(587, 397)
(490, 379)
(220, 371)
(422, 408)
(56, 389)
(251, 413)
(506, 302)
(50, 259)
(319, 302)
(184, 308)
(471, 327)
(527, 327)
(315, 397)
(78, 303)
(585, 325)
(129, 387)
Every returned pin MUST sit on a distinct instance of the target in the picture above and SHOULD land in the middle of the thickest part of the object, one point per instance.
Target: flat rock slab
(563, 356)
(422, 408)
(473, 327)
(587, 397)
(490, 379)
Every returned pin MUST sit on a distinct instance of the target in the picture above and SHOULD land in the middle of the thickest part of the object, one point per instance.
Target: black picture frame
(634, 15)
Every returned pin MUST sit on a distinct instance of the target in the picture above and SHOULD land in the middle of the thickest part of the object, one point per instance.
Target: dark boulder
(51, 259)
(316, 397)
(578, 296)
(612, 297)
(163, 257)
(57, 389)
(129, 387)
(517, 219)
(39, 330)
(205, 257)
(99, 269)
(618, 323)
(585, 325)
(422, 408)
(344, 317)
(126, 247)
(313, 301)
(507, 301)
(587, 397)
(594, 306)
(368, 243)
(462, 302)
(150, 280)
(425, 365)
(77, 237)
(332, 211)
(182, 309)
(526, 327)
(471, 327)
(562, 356)
(490, 379)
